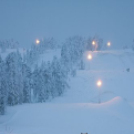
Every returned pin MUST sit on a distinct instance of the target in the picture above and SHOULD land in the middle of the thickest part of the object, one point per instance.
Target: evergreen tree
(35, 78)
(59, 82)
(98, 44)
(26, 74)
(44, 91)
(3, 87)
(72, 51)
(47, 77)
(14, 74)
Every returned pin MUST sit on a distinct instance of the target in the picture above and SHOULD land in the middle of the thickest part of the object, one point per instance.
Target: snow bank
(109, 117)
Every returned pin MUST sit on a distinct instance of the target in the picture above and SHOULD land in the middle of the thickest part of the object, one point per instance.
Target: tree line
(20, 83)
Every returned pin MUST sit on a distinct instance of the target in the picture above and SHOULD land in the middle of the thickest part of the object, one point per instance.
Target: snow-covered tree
(3, 87)
(8, 44)
(72, 51)
(26, 75)
(47, 43)
(42, 82)
(45, 82)
(59, 78)
(31, 56)
(14, 74)
(36, 84)
(94, 44)
(21, 84)
(47, 77)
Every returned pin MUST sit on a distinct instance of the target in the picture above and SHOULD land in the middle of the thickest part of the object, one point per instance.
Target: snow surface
(78, 110)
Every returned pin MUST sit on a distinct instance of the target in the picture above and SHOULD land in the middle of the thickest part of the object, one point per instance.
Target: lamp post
(99, 84)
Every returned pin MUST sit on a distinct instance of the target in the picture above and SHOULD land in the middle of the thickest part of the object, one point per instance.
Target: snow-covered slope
(114, 116)
(78, 110)
(110, 60)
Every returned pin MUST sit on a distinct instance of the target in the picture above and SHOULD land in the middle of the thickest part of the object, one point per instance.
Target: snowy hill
(78, 110)
(110, 60)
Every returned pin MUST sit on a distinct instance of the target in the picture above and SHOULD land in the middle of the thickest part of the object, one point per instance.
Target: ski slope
(78, 110)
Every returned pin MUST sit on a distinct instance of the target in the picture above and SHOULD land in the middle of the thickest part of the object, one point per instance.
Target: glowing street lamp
(93, 42)
(99, 84)
(37, 41)
(108, 44)
(89, 57)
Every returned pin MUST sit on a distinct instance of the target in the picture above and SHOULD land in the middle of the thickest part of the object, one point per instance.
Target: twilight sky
(26, 20)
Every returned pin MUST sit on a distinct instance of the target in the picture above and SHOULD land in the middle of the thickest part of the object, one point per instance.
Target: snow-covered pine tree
(26, 75)
(36, 84)
(10, 68)
(41, 86)
(59, 78)
(72, 51)
(31, 56)
(3, 46)
(14, 74)
(94, 47)
(47, 43)
(3, 87)
(47, 76)
(65, 57)
(52, 43)
(8, 44)
(44, 91)
(19, 77)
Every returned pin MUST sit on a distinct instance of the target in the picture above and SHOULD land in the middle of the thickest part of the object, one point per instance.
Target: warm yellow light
(37, 41)
(108, 44)
(93, 42)
(99, 83)
(89, 57)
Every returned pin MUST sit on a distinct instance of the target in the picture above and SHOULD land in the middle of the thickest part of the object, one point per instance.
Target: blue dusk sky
(26, 20)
